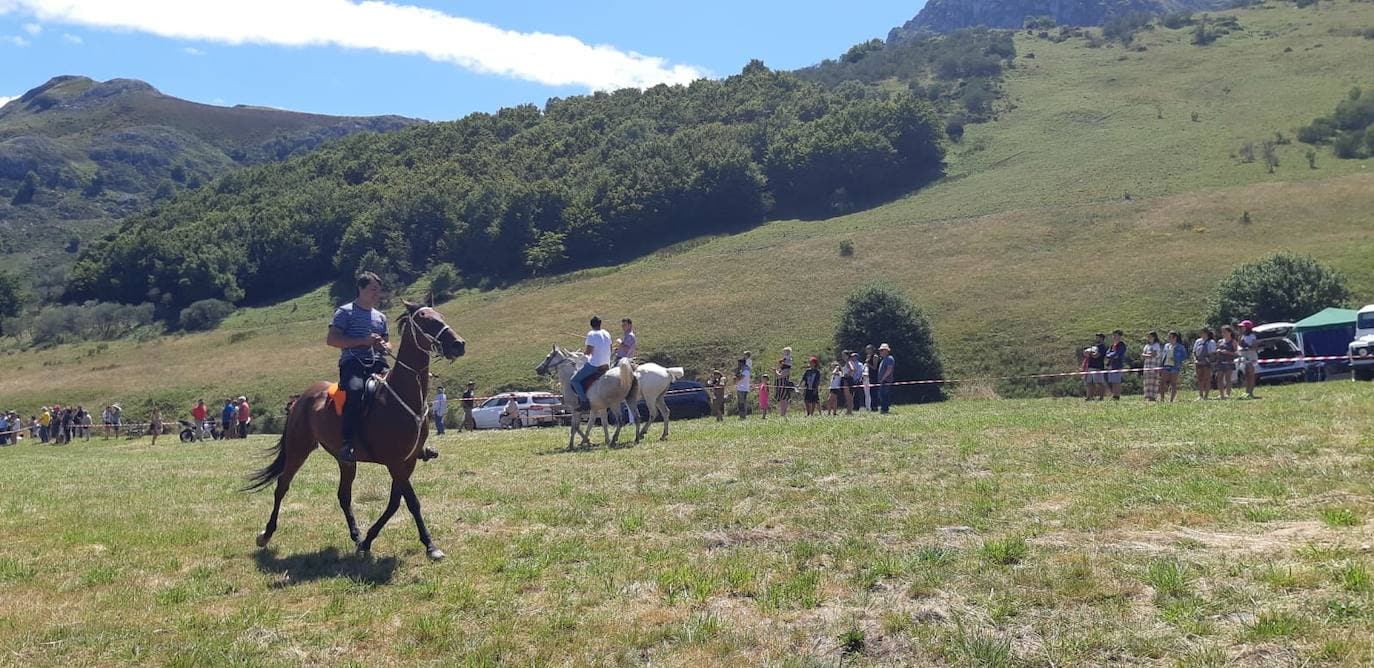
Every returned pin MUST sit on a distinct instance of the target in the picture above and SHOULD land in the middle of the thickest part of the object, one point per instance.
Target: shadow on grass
(580, 449)
(325, 564)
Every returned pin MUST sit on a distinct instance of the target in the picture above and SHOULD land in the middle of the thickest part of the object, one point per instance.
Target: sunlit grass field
(1005, 532)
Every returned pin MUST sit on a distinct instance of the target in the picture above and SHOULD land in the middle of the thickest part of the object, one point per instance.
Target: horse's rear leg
(347, 471)
(663, 412)
(292, 465)
(413, 504)
(391, 507)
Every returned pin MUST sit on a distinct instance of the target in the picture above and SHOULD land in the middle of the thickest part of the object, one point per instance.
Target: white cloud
(374, 25)
(192, 51)
(32, 28)
(72, 39)
(15, 40)
(5, 100)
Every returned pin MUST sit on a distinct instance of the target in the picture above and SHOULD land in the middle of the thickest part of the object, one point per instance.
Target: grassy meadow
(1029, 246)
(991, 533)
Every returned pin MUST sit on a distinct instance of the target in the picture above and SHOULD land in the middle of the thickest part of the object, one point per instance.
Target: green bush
(1280, 287)
(879, 313)
(443, 280)
(204, 314)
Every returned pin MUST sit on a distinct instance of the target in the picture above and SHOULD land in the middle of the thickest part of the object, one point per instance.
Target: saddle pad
(337, 396)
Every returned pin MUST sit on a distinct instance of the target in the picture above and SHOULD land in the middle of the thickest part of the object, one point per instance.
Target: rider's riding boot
(583, 405)
(346, 452)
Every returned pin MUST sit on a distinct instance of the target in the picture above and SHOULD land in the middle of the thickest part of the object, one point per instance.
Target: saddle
(595, 376)
(337, 394)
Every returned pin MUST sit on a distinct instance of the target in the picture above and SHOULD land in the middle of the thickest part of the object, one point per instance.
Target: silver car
(533, 409)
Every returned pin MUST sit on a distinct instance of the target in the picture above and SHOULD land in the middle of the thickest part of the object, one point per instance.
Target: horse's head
(553, 360)
(429, 324)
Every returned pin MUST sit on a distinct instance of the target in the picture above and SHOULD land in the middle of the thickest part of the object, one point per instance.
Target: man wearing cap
(887, 367)
(469, 401)
(1249, 357)
(855, 373)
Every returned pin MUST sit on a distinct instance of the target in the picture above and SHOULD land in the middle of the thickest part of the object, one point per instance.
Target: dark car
(685, 399)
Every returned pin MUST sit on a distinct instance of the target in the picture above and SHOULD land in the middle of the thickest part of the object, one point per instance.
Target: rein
(408, 325)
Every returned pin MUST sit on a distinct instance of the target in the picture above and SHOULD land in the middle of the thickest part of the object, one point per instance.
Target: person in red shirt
(198, 413)
(245, 416)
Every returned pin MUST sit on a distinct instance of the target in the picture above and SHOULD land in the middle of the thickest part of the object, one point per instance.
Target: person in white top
(742, 374)
(598, 353)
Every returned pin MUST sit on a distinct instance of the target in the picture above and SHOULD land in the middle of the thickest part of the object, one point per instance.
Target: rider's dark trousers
(353, 375)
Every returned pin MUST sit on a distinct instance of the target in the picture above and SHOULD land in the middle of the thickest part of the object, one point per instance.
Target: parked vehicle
(535, 409)
(1274, 343)
(1362, 348)
(685, 399)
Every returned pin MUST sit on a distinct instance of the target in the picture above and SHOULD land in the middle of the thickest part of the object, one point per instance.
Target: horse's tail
(675, 373)
(268, 474)
(627, 376)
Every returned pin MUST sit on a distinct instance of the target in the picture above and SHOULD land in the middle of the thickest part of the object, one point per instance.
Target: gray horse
(606, 393)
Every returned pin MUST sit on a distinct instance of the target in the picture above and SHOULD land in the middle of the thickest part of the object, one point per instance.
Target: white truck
(1362, 348)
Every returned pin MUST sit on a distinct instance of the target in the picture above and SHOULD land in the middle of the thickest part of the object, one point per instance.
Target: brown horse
(392, 434)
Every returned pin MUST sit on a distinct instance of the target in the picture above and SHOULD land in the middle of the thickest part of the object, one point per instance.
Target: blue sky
(424, 58)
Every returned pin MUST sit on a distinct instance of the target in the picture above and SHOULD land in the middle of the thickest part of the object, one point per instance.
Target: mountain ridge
(940, 16)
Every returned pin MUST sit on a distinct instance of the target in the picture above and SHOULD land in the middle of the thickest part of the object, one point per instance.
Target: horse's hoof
(363, 549)
(435, 554)
(263, 538)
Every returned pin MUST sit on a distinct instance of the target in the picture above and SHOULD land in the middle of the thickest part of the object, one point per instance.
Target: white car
(1362, 348)
(535, 409)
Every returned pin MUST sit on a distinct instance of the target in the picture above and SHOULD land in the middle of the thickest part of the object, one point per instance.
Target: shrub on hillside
(204, 314)
(1278, 288)
(879, 313)
(11, 297)
(91, 321)
(443, 280)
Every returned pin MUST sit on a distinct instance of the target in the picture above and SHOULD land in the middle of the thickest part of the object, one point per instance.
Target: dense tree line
(958, 69)
(524, 191)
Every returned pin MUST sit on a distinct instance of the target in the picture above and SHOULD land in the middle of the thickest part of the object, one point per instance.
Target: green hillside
(101, 151)
(1109, 193)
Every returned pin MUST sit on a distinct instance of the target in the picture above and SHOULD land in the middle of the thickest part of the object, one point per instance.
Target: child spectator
(717, 389)
(836, 388)
(763, 396)
(1227, 349)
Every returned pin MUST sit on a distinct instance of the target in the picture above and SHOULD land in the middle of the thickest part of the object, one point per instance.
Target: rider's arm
(337, 339)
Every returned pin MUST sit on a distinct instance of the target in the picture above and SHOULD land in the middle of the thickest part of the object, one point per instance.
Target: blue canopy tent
(1327, 332)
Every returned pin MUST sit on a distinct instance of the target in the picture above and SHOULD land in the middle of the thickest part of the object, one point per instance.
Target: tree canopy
(586, 180)
(1282, 287)
(879, 313)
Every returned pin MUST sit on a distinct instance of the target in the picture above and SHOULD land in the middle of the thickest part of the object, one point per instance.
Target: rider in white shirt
(598, 353)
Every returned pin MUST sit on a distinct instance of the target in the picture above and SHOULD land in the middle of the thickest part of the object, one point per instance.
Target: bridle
(434, 349)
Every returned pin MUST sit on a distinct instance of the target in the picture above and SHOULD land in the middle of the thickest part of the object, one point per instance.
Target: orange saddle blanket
(337, 396)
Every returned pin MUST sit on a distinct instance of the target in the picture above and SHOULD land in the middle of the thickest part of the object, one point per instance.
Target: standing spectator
(33, 427)
(1094, 361)
(1249, 357)
(1175, 353)
(1204, 356)
(510, 415)
(836, 388)
(887, 369)
(155, 424)
(116, 418)
(811, 386)
(1152, 355)
(226, 418)
(5, 428)
(856, 382)
(717, 389)
(66, 422)
(245, 415)
(785, 386)
(469, 402)
(763, 396)
(873, 359)
(440, 410)
(199, 412)
(742, 372)
(80, 422)
(1227, 350)
(44, 422)
(1116, 361)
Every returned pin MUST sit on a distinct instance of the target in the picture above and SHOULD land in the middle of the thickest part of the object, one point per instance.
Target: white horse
(606, 393)
(654, 381)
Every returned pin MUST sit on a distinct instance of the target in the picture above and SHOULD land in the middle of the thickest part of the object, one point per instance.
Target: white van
(1362, 348)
